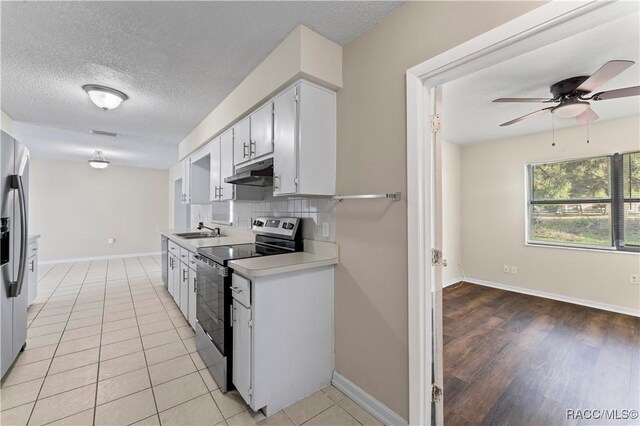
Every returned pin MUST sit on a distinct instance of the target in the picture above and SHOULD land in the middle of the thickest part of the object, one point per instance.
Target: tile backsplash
(317, 213)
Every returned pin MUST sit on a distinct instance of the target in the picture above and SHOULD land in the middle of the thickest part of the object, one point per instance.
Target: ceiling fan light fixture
(570, 109)
(98, 161)
(105, 97)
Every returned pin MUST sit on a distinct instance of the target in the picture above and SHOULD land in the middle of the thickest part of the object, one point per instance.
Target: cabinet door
(186, 181)
(241, 141)
(32, 279)
(215, 169)
(193, 282)
(184, 289)
(176, 280)
(262, 131)
(284, 155)
(170, 265)
(242, 349)
(226, 165)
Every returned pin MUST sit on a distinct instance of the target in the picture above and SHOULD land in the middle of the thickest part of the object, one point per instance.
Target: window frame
(616, 200)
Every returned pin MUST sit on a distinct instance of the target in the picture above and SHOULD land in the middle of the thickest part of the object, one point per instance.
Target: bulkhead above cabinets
(296, 130)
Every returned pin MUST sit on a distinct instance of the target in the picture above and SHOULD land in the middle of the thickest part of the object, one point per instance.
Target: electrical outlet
(505, 268)
(325, 229)
(633, 279)
(514, 269)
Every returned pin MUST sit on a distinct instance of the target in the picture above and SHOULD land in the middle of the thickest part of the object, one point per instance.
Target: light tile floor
(107, 345)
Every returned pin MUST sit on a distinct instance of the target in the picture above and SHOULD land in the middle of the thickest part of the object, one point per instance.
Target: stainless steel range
(214, 295)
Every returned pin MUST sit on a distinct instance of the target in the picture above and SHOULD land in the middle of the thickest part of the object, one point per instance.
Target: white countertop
(280, 264)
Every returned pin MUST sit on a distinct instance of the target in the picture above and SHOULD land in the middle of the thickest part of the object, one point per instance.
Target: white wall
(76, 208)
(493, 218)
(451, 212)
(6, 123)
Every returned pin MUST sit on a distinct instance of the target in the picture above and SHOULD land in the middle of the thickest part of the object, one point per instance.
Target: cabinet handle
(185, 275)
(244, 150)
(252, 143)
(215, 192)
(195, 285)
(233, 314)
(220, 192)
(276, 179)
(236, 289)
(32, 266)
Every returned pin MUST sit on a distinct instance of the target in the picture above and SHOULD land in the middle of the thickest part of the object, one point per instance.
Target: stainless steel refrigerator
(14, 210)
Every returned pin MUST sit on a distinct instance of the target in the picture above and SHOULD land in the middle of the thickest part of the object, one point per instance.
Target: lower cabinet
(176, 280)
(242, 349)
(170, 273)
(184, 289)
(32, 272)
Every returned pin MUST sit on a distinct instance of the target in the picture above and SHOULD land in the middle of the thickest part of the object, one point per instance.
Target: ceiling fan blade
(588, 116)
(522, 100)
(604, 74)
(617, 93)
(524, 117)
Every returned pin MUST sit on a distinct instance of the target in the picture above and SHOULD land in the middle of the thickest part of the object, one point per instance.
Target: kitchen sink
(194, 235)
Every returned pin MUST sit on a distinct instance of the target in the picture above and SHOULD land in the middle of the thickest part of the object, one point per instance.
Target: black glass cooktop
(223, 254)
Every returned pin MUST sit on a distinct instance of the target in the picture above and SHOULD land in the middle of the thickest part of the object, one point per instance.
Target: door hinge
(436, 257)
(250, 323)
(250, 391)
(436, 393)
(434, 123)
(296, 97)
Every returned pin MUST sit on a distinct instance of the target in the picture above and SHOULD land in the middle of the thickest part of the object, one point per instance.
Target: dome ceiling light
(105, 97)
(98, 161)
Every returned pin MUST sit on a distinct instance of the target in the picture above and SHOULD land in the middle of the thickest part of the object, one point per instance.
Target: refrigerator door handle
(15, 288)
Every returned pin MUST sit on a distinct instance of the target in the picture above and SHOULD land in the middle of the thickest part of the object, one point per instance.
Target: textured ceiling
(469, 116)
(175, 60)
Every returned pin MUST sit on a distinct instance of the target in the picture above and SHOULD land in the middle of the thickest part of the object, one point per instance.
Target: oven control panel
(282, 226)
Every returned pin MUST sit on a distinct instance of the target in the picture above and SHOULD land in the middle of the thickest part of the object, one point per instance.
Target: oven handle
(223, 271)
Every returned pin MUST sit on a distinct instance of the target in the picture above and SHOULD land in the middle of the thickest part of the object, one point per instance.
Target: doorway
(531, 31)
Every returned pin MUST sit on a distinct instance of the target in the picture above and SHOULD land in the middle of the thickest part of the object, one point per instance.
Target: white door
(215, 169)
(186, 181)
(242, 349)
(241, 141)
(226, 165)
(262, 131)
(193, 282)
(184, 289)
(284, 154)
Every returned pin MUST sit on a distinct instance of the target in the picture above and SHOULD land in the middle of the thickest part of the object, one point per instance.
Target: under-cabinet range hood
(256, 174)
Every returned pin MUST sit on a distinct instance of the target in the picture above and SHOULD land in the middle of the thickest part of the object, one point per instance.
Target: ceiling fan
(573, 93)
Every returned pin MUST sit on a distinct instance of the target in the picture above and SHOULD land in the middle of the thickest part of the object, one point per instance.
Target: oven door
(211, 304)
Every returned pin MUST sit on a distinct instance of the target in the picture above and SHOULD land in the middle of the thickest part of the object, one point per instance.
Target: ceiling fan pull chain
(553, 130)
(587, 131)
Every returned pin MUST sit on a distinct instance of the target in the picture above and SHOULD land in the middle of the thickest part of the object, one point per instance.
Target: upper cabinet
(262, 131)
(186, 190)
(241, 142)
(304, 156)
(222, 167)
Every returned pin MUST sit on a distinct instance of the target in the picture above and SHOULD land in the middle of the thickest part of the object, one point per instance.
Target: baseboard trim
(555, 296)
(453, 281)
(366, 401)
(85, 259)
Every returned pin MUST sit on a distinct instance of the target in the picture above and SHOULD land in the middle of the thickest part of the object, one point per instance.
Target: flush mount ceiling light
(570, 109)
(98, 161)
(104, 97)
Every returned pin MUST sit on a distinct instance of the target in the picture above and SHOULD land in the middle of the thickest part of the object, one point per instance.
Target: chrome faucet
(216, 231)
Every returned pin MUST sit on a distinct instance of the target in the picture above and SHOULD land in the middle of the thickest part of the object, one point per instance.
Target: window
(590, 202)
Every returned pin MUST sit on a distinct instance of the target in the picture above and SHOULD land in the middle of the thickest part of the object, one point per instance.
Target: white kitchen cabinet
(241, 142)
(304, 158)
(32, 272)
(214, 147)
(186, 181)
(171, 276)
(193, 282)
(261, 131)
(282, 337)
(176, 280)
(226, 165)
(184, 289)
(242, 349)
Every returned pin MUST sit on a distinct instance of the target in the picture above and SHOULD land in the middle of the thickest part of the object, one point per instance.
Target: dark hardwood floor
(513, 359)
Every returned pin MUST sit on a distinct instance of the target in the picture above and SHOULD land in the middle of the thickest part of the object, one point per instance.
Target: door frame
(534, 29)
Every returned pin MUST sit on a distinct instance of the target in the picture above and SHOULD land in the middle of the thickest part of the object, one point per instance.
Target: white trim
(90, 258)
(374, 407)
(555, 296)
(549, 22)
(453, 281)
